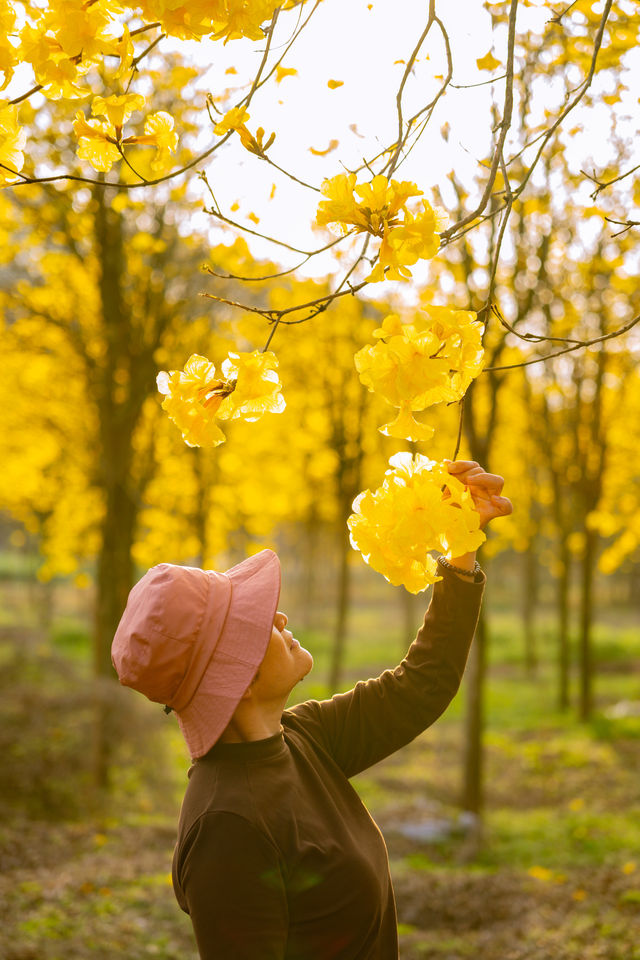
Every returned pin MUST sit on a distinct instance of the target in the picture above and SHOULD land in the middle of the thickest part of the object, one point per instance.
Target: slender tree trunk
(563, 585)
(340, 632)
(586, 617)
(113, 582)
(530, 583)
(473, 782)
(115, 567)
(309, 569)
(202, 507)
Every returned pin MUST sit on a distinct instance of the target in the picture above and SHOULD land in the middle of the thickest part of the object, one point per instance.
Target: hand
(485, 489)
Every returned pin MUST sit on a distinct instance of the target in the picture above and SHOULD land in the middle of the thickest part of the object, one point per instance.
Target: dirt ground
(71, 891)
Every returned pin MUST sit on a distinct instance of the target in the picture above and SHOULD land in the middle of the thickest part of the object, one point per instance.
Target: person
(277, 858)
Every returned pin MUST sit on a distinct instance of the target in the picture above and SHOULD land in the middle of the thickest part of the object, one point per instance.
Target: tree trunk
(586, 615)
(340, 631)
(202, 507)
(530, 582)
(310, 535)
(563, 584)
(117, 419)
(473, 793)
(114, 579)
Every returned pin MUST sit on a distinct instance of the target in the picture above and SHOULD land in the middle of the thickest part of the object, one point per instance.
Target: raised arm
(379, 716)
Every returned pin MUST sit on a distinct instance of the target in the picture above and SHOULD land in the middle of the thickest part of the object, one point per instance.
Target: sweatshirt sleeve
(229, 879)
(377, 717)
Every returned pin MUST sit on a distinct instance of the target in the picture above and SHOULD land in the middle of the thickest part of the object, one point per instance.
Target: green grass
(557, 877)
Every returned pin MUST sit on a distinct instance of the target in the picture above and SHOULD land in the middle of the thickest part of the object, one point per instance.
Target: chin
(309, 660)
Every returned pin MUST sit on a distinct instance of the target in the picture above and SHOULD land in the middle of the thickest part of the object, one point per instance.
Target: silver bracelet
(466, 573)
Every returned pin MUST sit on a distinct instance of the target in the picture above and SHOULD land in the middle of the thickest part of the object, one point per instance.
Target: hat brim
(255, 591)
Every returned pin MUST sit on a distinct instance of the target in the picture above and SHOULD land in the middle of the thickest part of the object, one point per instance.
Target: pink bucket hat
(193, 639)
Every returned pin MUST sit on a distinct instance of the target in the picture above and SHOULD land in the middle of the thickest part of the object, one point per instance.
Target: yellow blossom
(12, 142)
(188, 21)
(96, 142)
(220, 19)
(100, 142)
(255, 144)
(125, 50)
(413, 365)
(8, 53)
(380, 207)
(246, 388)
(377, 208)
(244, 18)
(66, 39)
(232, 120)
(257, 389)
(395, 526)
(158, 133)
(53, 69)
(81, 29)
(117, 109)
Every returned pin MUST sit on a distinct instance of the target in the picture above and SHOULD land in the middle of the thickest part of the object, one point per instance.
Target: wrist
(467, 573)
(466, 561)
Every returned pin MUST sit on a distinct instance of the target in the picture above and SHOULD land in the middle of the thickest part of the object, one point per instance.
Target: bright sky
(357, 46)
(357, 43)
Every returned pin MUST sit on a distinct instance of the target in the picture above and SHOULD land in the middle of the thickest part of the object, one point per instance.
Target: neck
(253, 722)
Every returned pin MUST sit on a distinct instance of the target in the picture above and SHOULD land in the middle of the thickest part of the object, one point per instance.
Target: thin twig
(603, 184)
(503, 127)
(577, 346)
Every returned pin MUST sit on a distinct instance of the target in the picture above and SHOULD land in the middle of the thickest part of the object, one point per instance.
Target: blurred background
(513, 825)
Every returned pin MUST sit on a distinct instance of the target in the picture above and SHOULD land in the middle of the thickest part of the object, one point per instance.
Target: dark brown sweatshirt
(277, 858)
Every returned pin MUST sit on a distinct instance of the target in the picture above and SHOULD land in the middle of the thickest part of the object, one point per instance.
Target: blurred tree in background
(104, 235)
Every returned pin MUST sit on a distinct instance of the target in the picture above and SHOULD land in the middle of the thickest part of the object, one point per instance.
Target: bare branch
(408, 68)
(603, 184)
(503, 127)
(582, 89)
(576, 346)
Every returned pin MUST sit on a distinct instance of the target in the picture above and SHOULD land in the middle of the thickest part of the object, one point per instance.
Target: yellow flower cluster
(235, 119)
(100, 141)
(12, 142)
(8, 53)
(395, 526)
(413, 365)
(246, 388)
(380, 208)
(221, 19)
(66, 39)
